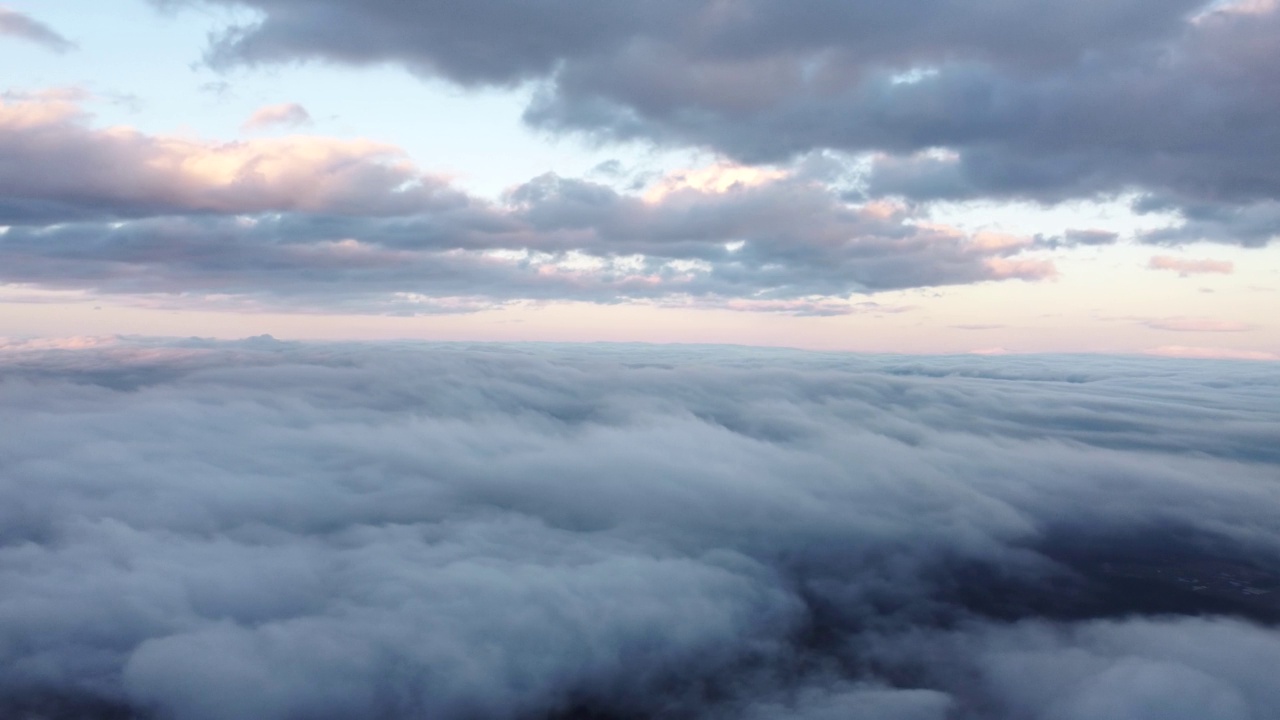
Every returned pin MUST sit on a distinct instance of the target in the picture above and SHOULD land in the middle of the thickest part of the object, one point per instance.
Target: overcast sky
(1070, 175)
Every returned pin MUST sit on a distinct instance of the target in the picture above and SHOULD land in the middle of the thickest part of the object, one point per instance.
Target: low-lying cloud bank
(217, 531)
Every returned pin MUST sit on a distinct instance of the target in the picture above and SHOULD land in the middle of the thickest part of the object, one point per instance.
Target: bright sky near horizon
(1088, 177)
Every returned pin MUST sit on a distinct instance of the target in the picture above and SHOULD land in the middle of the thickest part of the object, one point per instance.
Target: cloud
(1186, 268)
(1080, 238)
(79, 342)
(804, 307)
(987, 100)
(18, 25)
(1189, 324)
(1139, 668)
(281, 115)
(321, 223)
(1211, 353)
(56, 168)
(1253, 224)
(275, 530)
(796, 242)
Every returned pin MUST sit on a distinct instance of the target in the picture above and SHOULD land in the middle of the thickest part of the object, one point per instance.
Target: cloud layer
(353, 225)
(1066, 99)
(211, 531)
(1191, 267)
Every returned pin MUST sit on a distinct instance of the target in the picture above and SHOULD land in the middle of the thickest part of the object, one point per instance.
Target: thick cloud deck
(218, 531)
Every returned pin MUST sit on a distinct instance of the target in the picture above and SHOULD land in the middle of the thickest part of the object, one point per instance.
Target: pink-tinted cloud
(324, 222)
(1191, 267)
(290, 115)
(77, 342)
(53, 162)
(814, 307)
(1021, 269)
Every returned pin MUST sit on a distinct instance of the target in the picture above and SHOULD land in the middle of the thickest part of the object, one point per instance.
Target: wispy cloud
(315, 222)
(1186, 267)
(1196, 324)
(17, 25)
(289, 115)
(979, 326)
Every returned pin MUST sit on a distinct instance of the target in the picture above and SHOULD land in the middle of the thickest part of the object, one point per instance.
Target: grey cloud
(851, 702)
(268, 529)
(1063, 100)
(794, 239)
(1197, 324)
(16, 24)
(1184, 115)
(1090, 237)
(342, 221)
(1253, 225)
(446, 37)
(1138, 668)
(1079, 238)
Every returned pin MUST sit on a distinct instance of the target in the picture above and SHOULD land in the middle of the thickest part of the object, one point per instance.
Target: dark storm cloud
(277, 530)
(1049, 101)
(18, 25)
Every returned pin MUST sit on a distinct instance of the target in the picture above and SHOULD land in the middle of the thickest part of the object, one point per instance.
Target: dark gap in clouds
(1158, 571)
(59, 704)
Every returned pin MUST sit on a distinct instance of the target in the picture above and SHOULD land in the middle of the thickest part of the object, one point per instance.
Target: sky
(681, 359)
(1097, 177)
